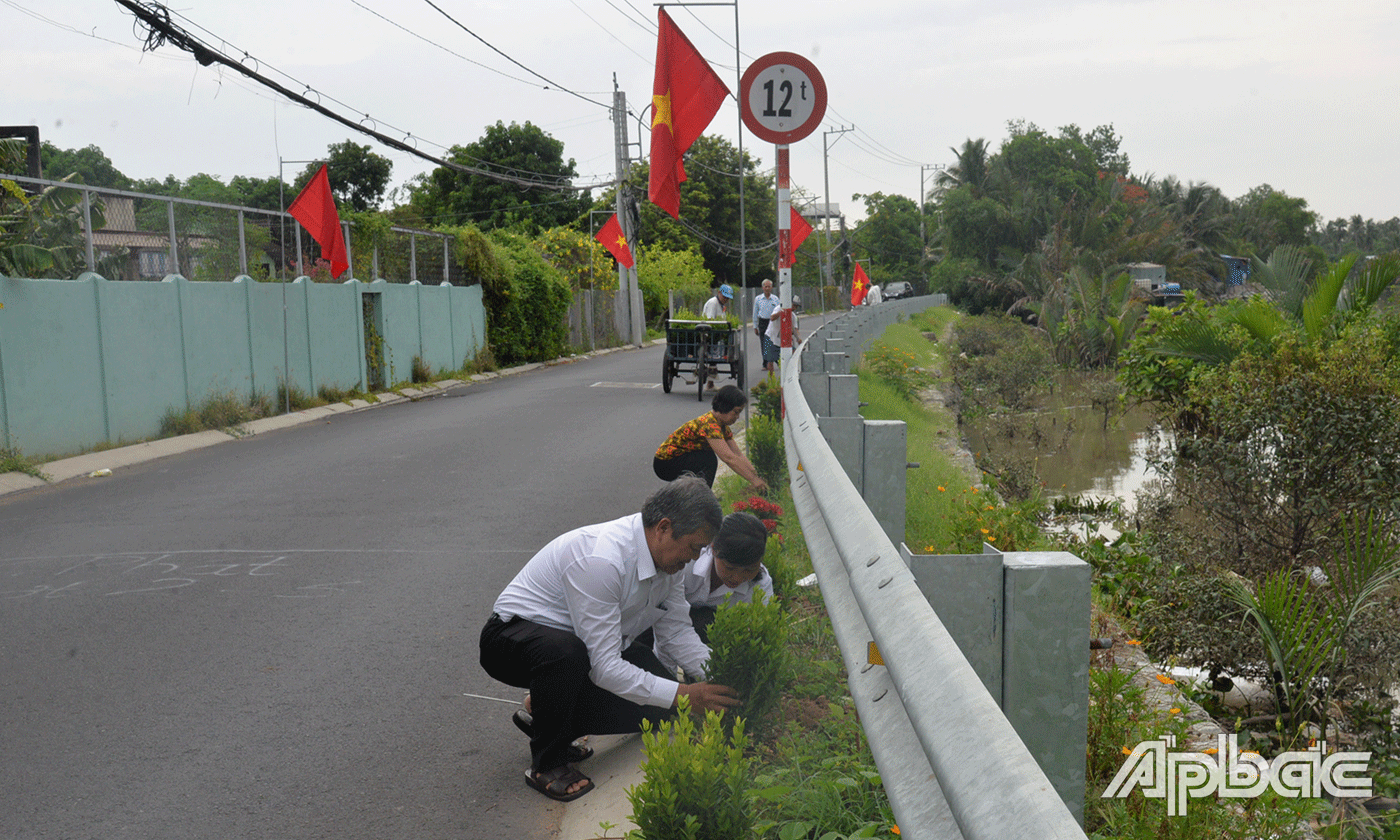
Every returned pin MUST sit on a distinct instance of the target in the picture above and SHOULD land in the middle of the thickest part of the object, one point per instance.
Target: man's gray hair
(688, 502)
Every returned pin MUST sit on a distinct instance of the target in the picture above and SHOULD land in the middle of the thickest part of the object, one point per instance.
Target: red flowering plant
(763, 509)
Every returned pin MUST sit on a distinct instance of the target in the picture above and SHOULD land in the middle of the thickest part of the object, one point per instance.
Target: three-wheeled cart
(704, 348)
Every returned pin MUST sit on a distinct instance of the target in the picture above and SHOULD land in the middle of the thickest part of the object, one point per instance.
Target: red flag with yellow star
(611, 236)
(800, 230)
(860, 284)
(684, 98)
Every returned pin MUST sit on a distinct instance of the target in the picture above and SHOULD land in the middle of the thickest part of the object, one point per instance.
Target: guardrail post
(816, 388)
(846, 437)
(965, 591)
(884, 463)
(1045, 687)
(836, 363)
(844, 390)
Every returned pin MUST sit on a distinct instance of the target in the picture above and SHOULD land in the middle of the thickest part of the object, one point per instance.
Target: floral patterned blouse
(692, 436)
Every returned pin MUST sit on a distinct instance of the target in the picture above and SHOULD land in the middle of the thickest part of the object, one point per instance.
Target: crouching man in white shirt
(566, 629)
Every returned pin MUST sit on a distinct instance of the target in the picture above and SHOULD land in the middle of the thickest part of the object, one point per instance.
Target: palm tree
(1317, 307)
(971, 170)
(1304, 626)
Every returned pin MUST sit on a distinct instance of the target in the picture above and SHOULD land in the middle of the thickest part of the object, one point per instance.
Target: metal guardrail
(951, 763)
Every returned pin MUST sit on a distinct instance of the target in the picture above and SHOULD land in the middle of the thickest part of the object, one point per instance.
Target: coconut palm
(1290, 300)
(1304, 624)
(972, 169)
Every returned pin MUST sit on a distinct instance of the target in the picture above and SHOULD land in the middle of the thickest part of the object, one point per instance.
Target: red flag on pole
(685, 95)
(315, 209)
(611, 236)
(860, 284)
(800, 230)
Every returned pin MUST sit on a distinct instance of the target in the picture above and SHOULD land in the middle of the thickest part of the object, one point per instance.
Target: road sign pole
(782, 98)
(784, 190)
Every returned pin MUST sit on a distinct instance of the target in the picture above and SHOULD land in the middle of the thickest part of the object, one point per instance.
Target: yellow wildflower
(1165, 680)
(1210, 751)
(1133, 642)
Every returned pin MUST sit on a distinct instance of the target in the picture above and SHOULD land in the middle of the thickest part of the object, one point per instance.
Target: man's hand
(706, 697)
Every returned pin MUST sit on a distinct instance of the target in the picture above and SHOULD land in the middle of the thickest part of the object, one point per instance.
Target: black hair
(688, 502)
(728, 398)
(741, 540)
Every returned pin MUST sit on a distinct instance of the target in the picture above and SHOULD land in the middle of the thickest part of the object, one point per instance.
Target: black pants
(553, 664)
(702, 462)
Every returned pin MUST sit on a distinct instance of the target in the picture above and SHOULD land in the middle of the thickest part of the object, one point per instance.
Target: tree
(1265, 218)
(447, 196)
(972, 169)
(358, 176)
(889, 236)
(89, 165)
(661, 270)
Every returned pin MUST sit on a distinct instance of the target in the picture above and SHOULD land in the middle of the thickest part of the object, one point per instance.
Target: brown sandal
(556, 783)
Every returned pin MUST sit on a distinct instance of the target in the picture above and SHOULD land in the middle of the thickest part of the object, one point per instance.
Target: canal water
(1070, 448)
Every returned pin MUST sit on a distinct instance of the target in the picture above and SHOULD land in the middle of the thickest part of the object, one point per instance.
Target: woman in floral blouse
(699, 445)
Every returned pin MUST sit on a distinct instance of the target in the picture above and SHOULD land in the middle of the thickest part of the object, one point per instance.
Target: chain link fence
(66, 229)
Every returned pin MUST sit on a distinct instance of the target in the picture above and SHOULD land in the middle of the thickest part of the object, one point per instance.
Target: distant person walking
(764, 306)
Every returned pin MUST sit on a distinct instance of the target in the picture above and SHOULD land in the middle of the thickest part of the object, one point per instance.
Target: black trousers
(565, 704)
(702, 462)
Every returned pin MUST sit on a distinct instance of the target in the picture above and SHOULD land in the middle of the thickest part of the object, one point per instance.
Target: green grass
(12, 460)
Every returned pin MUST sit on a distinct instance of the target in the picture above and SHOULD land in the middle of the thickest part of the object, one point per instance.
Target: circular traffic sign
(783, 97)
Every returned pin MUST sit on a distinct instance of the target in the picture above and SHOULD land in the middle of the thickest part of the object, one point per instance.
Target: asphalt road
(276, 637)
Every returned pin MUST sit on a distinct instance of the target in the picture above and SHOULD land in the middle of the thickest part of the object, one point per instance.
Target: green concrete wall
(87, 362)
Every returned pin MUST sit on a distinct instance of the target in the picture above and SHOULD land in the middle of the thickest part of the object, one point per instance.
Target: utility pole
(923, 234)
(826, 211)
(626, 277)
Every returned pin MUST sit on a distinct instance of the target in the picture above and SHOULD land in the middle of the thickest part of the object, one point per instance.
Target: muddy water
(1077, 455)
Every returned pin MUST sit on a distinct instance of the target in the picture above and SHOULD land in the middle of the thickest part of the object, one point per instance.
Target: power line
(547, 80)
(161, 29)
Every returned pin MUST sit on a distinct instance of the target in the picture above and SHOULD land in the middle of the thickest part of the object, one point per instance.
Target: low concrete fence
(970, 674)
(87, 362)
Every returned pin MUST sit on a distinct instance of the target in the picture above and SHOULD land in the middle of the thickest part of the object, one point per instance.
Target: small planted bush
(750, 652)
(697, 783)
(766, 452)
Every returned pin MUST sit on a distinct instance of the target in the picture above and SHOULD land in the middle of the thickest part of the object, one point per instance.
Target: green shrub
(749, 652)
(897, 368)
(697, 783)
(766, 451)
(421, 371)
(784, 572)
(768, 398)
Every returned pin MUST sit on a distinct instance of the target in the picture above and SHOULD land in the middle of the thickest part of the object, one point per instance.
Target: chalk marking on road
(625, 385)
(497, 699)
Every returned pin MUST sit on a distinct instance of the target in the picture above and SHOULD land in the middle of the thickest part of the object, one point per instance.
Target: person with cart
(716, 307)
(699, 445)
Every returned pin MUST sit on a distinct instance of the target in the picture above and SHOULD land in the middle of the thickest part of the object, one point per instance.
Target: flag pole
(282, 274)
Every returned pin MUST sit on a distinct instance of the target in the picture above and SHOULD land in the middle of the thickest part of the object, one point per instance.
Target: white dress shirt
(697, 584)
(764, 306)
(599, 583)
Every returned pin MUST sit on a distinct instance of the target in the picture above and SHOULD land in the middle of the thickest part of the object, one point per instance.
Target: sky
(1298, 95)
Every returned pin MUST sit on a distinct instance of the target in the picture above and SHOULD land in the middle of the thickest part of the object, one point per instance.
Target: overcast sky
(1304, 96)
